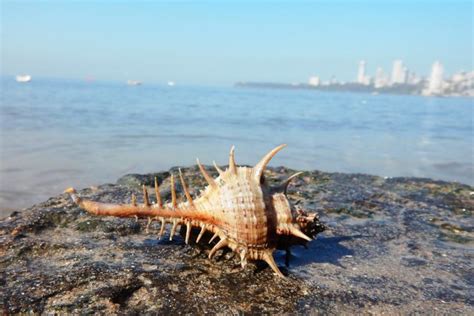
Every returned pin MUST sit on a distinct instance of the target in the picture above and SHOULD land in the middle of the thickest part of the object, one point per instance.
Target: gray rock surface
(398, 245)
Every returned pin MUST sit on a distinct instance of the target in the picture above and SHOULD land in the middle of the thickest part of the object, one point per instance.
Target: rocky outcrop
(392, 245)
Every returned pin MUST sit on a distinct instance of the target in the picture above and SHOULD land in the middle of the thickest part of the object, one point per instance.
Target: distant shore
(400, 89)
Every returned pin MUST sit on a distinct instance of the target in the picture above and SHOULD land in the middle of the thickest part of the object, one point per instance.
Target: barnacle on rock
(238, 207)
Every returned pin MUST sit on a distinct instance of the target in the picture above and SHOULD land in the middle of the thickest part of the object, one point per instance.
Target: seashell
(238, 207)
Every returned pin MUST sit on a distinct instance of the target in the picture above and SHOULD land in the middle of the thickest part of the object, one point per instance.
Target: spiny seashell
(238, 207)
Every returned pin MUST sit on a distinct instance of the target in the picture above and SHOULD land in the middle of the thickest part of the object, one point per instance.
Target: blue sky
(217, 42)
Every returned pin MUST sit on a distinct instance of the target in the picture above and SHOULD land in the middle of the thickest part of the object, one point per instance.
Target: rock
(134, 180)
(397, 245)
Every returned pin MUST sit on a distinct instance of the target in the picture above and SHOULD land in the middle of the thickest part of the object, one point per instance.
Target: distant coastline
(400, 89)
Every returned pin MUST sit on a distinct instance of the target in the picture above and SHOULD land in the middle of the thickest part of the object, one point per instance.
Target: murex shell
(238, 206)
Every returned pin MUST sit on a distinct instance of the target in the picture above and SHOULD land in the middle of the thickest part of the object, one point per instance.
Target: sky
(222, 42)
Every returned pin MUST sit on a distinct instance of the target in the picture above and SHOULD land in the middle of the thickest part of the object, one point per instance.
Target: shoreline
(402, 89)
(6, 211)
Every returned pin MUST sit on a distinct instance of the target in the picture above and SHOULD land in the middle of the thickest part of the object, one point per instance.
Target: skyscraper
(435, 83)
(380, 79)
(362, 78)
(361, 72)
(399, 72)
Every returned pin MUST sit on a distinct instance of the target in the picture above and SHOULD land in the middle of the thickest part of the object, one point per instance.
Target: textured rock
(392, 245)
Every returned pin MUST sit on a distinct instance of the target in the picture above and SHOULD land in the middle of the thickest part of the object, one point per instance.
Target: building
(460, 84)
(380, 79)
(314, 81)
(413, 78)
(399, 72)
(361, 73)
(435, 82)
(459, 77)
(362, 78)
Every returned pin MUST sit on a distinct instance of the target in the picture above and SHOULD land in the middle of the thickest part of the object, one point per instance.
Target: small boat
(170, 83)
(23, 78)
(134, 82)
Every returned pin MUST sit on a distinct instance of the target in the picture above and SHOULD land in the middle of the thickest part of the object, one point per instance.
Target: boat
(170, 83)
(23, 78)
(134, 82)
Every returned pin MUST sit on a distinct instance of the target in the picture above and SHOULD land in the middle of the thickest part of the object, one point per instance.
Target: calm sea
(57, 133)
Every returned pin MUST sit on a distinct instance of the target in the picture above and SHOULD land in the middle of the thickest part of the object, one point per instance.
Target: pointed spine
(232, 166)
(157, 194)
(148, 225)
(188, 232)
(173, 229)
(201, 233)
(262, 164)
(298, 233)
(173, 193)
(219, 170)
(222, 243)
(268, 257)
(206, 176)
(146, 200)
(214, 237)
(288, 181)
(185, 188)
(162, 228)
(243, 258)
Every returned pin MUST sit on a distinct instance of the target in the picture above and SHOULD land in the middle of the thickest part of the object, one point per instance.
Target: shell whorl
(238, 207)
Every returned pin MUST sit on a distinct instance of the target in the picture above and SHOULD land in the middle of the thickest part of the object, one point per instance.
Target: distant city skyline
(402, 80)
(215, 43)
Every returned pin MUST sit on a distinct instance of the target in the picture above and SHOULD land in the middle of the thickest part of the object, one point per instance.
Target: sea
(59, 133)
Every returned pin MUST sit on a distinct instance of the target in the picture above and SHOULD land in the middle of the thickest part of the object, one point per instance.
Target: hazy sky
(218, 42)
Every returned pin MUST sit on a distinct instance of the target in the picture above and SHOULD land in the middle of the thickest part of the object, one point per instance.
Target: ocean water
(61, 133)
